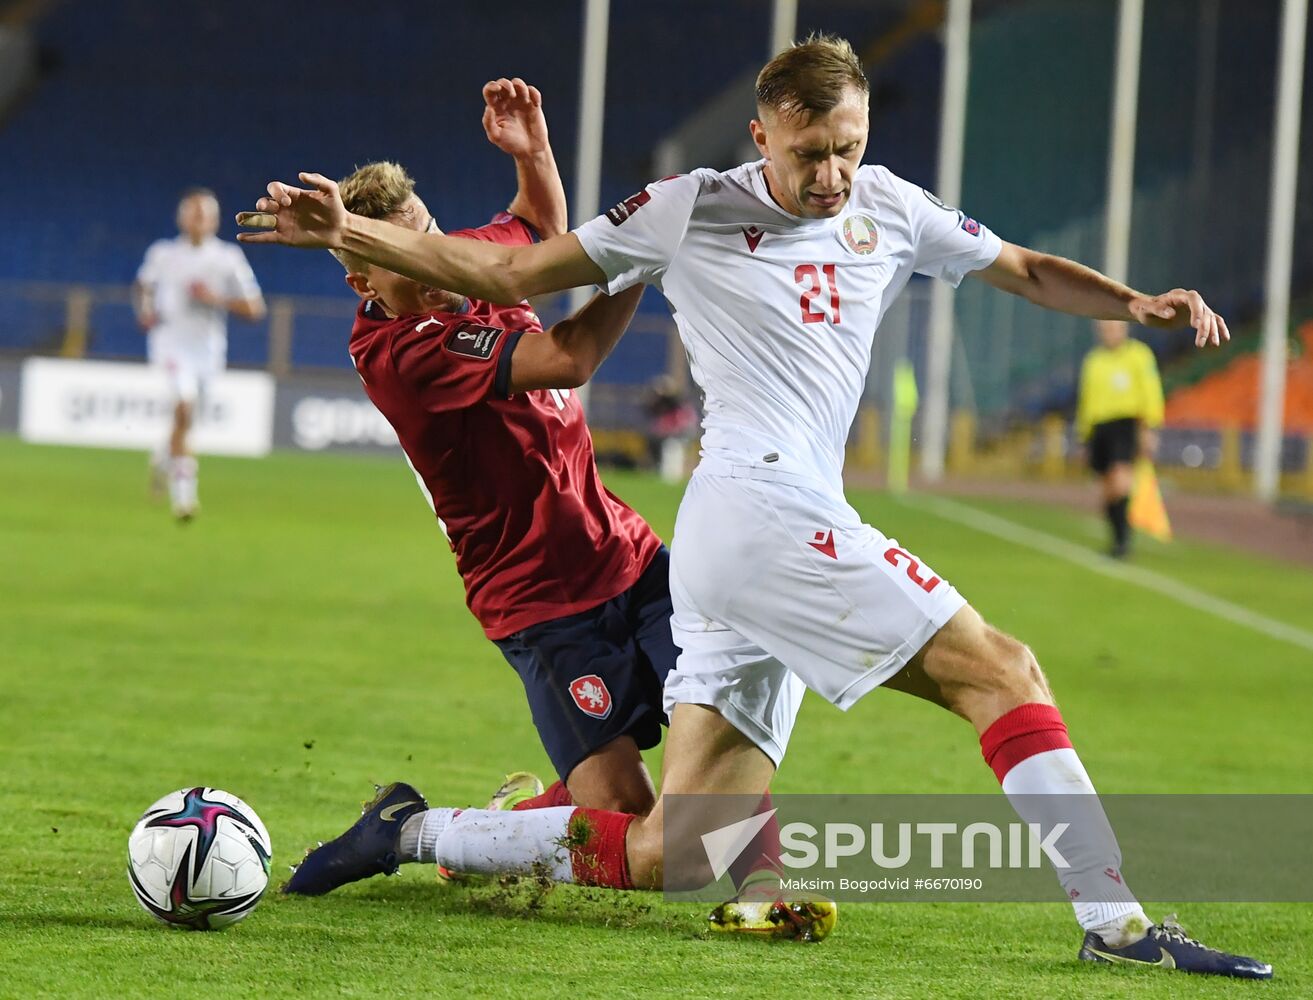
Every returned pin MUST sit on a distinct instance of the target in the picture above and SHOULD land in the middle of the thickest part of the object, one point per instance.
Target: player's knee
(621, 798)
(636, 801)
(629, 791)
(614, 779)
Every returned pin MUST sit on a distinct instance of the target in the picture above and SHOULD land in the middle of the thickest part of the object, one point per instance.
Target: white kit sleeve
(947, 243)
(241, 279)
(635, 241)
(152, 265)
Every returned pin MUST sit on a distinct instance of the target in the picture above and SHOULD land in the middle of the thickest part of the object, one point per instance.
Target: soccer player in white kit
(778, 273)
(184, 290)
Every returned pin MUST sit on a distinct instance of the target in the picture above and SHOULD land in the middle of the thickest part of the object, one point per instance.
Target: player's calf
(995, 682)
(182, 418)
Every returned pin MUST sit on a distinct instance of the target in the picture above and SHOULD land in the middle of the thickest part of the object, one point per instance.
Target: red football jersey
(512, 479)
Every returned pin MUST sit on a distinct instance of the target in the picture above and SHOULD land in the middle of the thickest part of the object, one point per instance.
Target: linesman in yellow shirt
(1117, 416)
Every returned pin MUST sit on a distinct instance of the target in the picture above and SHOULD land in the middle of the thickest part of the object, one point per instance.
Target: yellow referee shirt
(1119, 382)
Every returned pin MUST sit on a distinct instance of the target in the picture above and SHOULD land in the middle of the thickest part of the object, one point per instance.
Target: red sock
(1043, 778)
(762, 852)
(556, 794)
(1021, 733)
(597, 848)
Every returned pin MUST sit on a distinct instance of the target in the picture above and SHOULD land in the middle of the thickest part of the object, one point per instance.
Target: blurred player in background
(569, 582)
(779, 272)
(184, 290)
(1117, 416)
(672, 424)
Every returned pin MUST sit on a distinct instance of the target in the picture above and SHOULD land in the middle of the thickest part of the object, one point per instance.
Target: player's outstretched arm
(315, 217)
(248, 307)
(514, 122)
(1066, 286)
(143, 304)
(251, 309)
(570, 352)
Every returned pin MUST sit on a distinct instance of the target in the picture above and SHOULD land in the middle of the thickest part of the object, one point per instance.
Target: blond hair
(810, 78)
(376, 191)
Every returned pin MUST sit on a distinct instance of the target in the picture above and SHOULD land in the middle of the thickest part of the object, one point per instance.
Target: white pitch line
(1051, 545)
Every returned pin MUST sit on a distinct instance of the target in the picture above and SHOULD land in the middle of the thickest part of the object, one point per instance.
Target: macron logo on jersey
(753, 235)
(824, 544)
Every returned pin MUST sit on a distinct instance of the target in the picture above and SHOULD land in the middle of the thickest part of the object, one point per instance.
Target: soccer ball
(199, 858)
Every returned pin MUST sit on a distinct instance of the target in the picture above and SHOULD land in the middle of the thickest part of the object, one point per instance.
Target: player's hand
(200, 292)
(513, 117)
(146, 319)
(1149, 442)
(298, 217)
(1177, 308)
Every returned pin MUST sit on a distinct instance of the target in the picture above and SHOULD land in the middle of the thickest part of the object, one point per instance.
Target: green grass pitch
(307, 636)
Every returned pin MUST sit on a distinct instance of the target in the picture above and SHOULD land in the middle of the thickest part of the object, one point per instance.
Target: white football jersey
(171, 268)
(778, 312)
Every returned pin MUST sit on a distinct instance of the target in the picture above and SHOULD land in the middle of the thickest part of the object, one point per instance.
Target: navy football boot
(1167, 947)
(368, 848)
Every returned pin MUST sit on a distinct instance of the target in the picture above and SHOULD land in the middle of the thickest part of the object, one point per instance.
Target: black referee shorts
(1114, 442)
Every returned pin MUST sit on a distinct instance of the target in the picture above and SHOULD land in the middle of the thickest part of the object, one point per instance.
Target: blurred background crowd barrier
(108, 110)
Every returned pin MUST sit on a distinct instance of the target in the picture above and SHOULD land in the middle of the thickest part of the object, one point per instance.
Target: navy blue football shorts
(597, 675)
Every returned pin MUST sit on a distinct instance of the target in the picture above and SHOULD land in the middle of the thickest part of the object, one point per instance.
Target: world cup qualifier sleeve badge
(860, 235)
(591, 696)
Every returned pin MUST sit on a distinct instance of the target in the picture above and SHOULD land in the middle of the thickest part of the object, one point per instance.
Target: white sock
(487, 842)
(408, 839)
(182, 482)
(1126, 923)
(1093, 882)
(420, 833)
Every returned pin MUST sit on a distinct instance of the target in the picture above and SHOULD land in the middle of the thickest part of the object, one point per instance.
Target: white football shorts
(778, 586)
(188, 367)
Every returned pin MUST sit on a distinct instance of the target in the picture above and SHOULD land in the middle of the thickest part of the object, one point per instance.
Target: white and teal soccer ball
(199, 858)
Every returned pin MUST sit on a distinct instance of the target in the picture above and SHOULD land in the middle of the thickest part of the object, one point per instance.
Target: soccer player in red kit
(567, 580)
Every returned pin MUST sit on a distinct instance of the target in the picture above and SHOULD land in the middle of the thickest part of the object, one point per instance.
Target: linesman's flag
(1146, 512)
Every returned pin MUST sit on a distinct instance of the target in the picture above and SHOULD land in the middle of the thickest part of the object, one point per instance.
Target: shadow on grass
(530, 900)
(20, 921)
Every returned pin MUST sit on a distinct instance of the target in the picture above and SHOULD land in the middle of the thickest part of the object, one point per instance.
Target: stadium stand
(124, 116)
(165, 116)
(1229, 397)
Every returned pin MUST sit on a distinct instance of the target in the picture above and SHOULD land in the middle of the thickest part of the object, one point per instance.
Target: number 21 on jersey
(808, 277)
